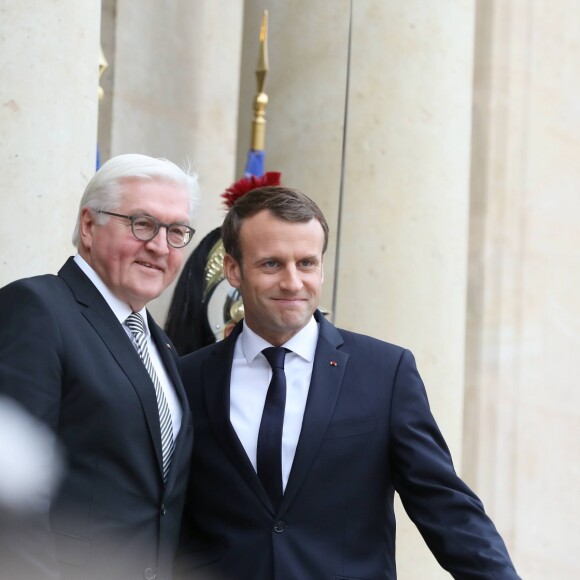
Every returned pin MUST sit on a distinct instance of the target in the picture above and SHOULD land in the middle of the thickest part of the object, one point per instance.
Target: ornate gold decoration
(214, 268)
(261, 100)
(236, 311)
(103, 65)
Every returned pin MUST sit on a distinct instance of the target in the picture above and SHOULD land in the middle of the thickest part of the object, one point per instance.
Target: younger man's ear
(232, 271)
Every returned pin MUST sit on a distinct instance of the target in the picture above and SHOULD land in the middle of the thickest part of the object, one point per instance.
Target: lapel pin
(168, 345)
(333, 363)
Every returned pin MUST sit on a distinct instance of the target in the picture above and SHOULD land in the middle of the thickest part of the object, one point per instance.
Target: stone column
(523, 392)
(402, 268)
(175, 94)
(49, 54)
(379, 135)
(306, 87)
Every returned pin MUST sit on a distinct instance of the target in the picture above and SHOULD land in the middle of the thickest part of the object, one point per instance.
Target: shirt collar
(303, 343)
(120, 309)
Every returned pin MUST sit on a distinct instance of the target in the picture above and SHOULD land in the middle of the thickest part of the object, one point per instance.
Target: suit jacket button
(149, 574)
(279, 527)
(163, 512)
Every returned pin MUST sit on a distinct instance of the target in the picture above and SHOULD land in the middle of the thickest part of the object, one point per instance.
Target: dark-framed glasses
(146, 227)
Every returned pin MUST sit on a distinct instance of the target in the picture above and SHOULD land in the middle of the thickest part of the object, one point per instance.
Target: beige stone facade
(442, 141)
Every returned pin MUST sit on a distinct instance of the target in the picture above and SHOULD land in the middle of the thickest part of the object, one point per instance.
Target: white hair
(104, 190)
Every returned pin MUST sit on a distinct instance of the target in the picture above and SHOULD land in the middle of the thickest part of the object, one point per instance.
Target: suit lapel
(327, 376)
(216, 386)
(99, 315)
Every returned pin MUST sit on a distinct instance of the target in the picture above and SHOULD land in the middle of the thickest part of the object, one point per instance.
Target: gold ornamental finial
(103, 65)
(261, 100)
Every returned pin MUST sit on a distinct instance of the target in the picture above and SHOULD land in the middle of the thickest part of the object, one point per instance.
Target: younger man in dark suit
(297, 459)
(80, 352)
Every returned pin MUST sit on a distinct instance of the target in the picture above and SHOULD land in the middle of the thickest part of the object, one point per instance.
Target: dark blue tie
(269, 455)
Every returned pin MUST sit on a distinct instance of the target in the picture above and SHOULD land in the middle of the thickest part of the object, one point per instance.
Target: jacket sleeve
(449, 516)
(31, 375)
(30, 345)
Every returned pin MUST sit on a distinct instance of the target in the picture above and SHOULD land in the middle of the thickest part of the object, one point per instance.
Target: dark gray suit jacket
(65, 357)
(367, 432)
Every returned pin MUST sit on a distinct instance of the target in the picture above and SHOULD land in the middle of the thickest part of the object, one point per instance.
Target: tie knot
(275, 356)
(135, 323)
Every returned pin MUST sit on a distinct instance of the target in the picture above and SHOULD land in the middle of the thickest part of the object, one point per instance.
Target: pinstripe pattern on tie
(137, 327)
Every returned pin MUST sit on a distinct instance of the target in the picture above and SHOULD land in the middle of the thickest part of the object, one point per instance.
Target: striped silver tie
(137, 327)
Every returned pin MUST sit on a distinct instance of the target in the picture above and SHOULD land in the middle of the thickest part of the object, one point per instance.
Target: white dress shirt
(122, 311)
(251, 374)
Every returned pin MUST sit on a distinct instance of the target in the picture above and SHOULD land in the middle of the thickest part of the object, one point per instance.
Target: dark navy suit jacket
(66, 358)
(367, 432)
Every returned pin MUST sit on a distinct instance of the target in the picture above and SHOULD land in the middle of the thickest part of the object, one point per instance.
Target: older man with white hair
(80, 353)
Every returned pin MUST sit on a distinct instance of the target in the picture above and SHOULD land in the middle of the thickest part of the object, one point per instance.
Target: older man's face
(136, 271)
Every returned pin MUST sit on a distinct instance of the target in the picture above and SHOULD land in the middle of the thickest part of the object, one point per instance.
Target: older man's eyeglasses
(146, 227)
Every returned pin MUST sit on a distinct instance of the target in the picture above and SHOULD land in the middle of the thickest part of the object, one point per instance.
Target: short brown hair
(282, 202)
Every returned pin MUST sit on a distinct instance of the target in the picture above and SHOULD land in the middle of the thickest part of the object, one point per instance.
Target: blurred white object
(30, 461)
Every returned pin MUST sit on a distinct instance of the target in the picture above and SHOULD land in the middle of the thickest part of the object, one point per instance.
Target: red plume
(245, 184)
